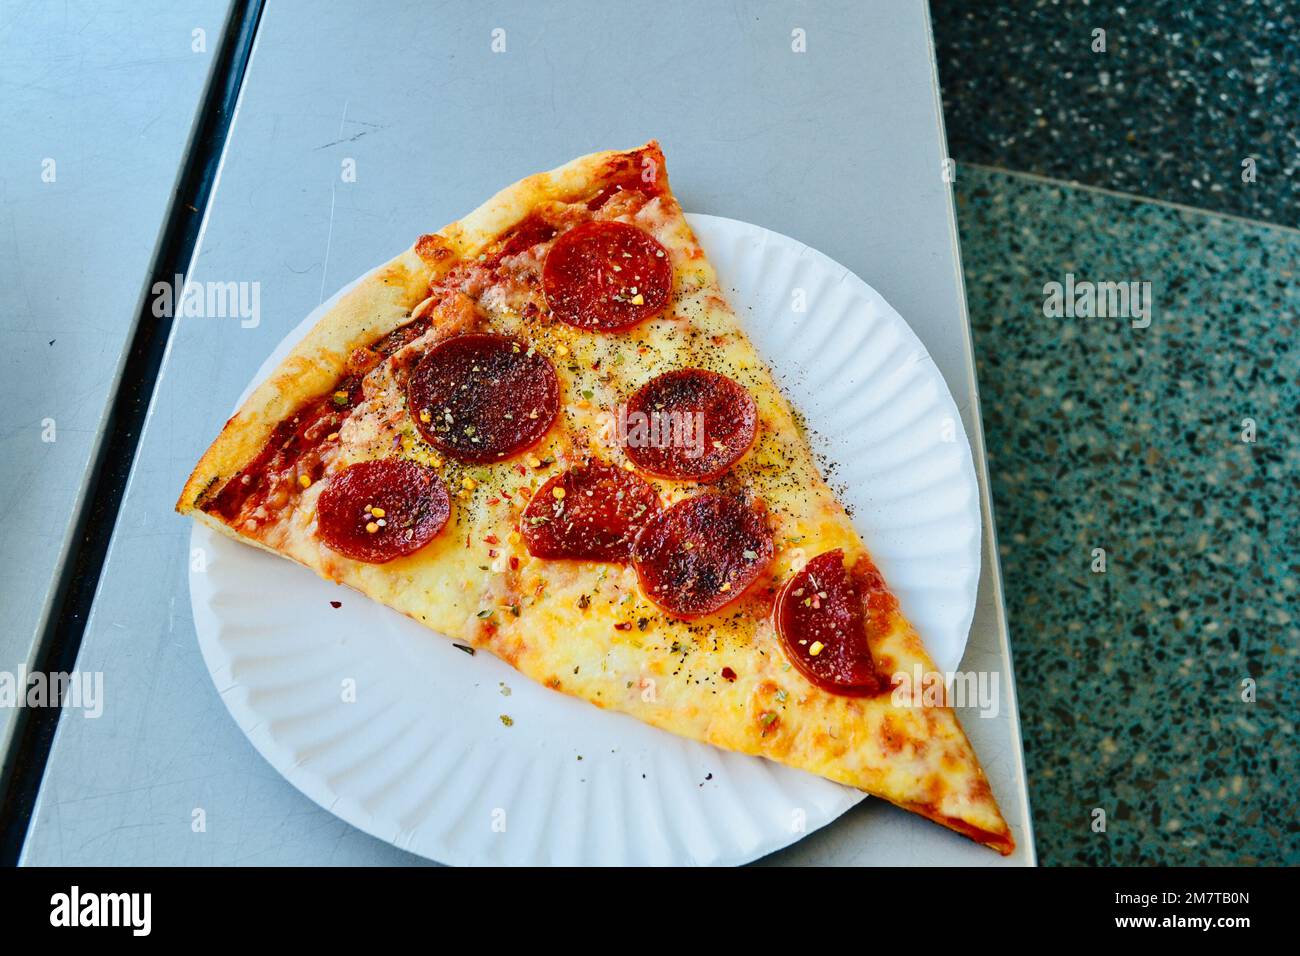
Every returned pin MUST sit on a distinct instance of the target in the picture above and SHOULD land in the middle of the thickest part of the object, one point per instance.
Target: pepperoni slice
(606, 276)
(819, 615)
(701, 554)
(591, 512)
(481, 397)
(689, 424)
(405, 503)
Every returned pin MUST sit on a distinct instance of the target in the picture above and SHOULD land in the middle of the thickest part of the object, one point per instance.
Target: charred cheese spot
(892, 736)
(434, 249)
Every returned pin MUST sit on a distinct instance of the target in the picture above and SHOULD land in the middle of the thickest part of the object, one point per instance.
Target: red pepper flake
(491, 539)
(493, 501)
(623, 626)
(728, 674)
(514, 563)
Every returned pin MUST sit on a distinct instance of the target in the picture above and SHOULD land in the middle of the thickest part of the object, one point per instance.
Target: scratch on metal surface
(329, 237)
(329, 240)
(350, 139)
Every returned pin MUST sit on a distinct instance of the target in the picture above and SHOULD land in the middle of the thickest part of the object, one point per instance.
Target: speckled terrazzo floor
(1101, 435)
(1184, 92)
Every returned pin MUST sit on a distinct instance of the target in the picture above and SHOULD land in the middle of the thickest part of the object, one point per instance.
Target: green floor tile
(1102, 435)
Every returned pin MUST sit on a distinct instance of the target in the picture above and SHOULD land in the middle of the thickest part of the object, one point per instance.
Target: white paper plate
(422, 759)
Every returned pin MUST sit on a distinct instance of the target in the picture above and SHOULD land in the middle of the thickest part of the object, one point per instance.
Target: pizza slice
(542, 432)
